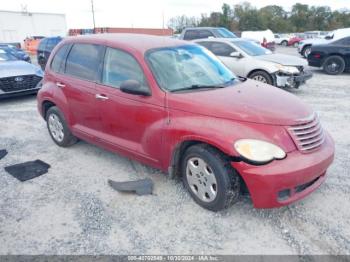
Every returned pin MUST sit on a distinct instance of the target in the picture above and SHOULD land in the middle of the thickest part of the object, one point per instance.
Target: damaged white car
(248, 59)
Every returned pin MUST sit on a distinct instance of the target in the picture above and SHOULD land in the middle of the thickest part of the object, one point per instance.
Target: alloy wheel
(307, 51)
(333, 66)
(56, 127)
(260, 78)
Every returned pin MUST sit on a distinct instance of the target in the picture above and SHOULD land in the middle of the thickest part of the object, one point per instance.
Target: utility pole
(93, 13)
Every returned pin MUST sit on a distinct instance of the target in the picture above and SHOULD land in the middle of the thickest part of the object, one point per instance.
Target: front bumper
(19, 93)
(299, 174)
(283, 80)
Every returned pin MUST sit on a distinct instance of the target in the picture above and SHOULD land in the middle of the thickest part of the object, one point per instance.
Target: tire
(261, 76)
(284, 43)
(58, 128)
(212, 166)
(334, 65)
(42, 63)
(296, 44)
(306, 51)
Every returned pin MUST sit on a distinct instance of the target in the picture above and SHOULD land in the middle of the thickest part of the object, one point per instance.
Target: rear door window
(221, 49)
(120, 66)
(84, 61)
(191, 34)
(205, 44)
(57, 64)
(205, 34)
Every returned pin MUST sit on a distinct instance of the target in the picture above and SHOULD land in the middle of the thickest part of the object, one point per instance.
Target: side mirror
(236, 55)
(134, 87)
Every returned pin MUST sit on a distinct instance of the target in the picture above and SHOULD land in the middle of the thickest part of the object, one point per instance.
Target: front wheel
(334, 65)
(209, 177)
(261, 76)
(284, 43)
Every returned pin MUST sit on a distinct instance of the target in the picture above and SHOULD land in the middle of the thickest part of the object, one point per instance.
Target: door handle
(101, 97)
(60, 85)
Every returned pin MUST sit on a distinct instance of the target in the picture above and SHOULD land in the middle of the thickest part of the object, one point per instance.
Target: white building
(16, 26)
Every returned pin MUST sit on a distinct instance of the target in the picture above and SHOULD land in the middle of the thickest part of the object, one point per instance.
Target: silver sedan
(247, 59)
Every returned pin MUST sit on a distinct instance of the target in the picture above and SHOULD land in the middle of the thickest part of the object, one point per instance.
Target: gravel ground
(72, 210)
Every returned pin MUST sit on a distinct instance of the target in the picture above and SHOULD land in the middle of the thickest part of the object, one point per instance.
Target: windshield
(4, 56)
(252, 48)
(182, 67)
(223, 32)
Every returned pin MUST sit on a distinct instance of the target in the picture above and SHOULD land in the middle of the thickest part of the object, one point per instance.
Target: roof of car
(221, 39)
(139, 42)
(200, 28)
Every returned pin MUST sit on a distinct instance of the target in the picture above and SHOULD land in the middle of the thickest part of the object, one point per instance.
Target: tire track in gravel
(276, 220)
(333, 232)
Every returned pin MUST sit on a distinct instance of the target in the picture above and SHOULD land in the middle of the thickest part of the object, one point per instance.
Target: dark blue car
(16, 52)
(45, 47)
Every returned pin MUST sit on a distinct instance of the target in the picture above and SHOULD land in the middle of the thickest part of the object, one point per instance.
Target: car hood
(249, 101)
(287, 60)
(16, 68)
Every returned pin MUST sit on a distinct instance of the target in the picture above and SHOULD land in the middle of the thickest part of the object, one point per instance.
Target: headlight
(288, 69)
(258, 151)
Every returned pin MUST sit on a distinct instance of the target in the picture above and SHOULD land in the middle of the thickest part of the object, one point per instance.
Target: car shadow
(9, 100)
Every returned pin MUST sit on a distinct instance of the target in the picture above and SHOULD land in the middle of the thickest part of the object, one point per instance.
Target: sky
(141, 13)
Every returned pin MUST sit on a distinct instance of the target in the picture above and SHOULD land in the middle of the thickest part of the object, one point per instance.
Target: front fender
(269, 67)
(218, 132)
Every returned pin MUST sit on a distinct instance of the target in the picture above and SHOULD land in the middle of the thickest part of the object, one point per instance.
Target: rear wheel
(284, 43)
(334, 65)
(306, 51)
(296, 44)
(209, 177)
(58, 128)
(261, 76)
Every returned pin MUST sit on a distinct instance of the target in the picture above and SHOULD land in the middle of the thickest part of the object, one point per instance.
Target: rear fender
(49, 92)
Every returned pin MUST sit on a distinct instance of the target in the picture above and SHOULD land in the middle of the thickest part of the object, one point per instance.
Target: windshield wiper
(193, 87)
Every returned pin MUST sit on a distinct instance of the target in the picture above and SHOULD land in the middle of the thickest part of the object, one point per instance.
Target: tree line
(244, 16)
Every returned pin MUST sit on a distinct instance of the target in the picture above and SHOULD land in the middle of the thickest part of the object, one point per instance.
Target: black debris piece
(141, 187)
(3, 153)
(28, 170)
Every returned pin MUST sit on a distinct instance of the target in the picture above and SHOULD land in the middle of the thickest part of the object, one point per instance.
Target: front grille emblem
(18, 79)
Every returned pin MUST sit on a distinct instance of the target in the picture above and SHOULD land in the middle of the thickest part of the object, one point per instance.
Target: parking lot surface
(72, 210)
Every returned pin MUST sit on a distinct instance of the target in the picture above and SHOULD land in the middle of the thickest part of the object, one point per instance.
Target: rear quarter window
(57, 64)
(84, 61)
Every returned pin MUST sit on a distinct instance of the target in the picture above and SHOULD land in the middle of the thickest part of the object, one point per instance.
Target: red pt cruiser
(174, 106)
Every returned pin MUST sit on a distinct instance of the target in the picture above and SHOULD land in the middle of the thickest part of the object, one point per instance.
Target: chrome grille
(17, 83)
(309, 135)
